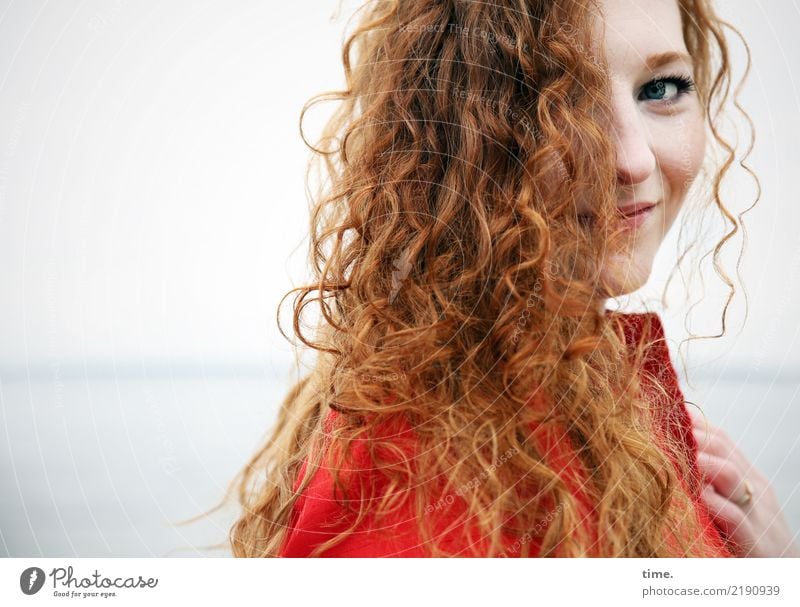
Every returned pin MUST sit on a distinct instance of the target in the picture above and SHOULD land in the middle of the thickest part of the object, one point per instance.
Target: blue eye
(666, 88)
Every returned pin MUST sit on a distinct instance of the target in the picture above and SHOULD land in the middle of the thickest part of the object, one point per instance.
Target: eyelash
(684, 84)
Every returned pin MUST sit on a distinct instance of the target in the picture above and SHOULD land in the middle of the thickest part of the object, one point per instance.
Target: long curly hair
(459, 292)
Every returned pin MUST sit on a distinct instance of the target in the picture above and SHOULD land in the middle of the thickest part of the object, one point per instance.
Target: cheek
(682, 154)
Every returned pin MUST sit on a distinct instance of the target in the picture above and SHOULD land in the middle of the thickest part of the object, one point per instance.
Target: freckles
(680, 150)
(688, 158)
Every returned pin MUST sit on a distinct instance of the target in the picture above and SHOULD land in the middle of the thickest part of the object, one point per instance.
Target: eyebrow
(656, 61)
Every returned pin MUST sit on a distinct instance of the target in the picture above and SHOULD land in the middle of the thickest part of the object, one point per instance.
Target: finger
(728, 517)
(724, 475)
(698, 419)
(717, 442)
(705, 441)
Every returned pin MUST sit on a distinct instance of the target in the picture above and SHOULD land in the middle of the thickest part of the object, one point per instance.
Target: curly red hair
(456, 286)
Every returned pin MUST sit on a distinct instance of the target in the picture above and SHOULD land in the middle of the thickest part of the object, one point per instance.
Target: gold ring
(748, 494)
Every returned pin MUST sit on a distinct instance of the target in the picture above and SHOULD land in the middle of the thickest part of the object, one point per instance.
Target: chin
(627, 275)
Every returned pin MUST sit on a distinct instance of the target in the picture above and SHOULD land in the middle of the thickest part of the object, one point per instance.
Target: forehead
(633, 30)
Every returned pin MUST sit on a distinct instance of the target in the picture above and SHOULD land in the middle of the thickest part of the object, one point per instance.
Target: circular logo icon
(31, 580)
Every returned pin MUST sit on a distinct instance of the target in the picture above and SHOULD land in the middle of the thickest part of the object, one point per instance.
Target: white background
(153, 211)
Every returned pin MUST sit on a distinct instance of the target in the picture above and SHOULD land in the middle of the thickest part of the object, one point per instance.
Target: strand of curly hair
(456, 288)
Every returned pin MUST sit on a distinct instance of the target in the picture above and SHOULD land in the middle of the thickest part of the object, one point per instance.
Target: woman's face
(657, 123)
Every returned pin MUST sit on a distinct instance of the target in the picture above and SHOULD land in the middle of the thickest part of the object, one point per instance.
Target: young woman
(499, 170)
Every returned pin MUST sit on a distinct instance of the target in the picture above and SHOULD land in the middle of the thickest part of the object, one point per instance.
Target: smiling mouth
(635, 209)
(636, 217)
(633, 214)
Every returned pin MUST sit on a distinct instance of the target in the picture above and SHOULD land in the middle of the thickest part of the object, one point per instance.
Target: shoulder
(321, 524)
(321, 512)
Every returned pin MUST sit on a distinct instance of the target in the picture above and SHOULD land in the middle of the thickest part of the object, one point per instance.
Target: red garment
(317, 517)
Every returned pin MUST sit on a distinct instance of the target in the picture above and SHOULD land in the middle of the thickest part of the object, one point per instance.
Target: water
(106, 467)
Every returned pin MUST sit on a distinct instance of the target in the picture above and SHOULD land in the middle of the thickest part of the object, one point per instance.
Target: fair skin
(659, 129)
(658, 125)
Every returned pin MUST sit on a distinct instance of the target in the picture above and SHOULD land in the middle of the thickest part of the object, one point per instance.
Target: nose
(635, 160)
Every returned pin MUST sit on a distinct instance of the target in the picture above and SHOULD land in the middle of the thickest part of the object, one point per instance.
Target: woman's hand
(757, 527)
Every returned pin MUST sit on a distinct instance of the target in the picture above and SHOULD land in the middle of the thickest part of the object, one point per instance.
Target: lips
(636, 215)
(633, 215)
(633, 209)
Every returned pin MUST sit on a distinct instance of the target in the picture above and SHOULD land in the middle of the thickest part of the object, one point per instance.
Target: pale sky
(152, 202)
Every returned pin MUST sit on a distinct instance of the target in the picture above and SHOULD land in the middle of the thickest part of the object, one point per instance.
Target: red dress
(317, 517)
